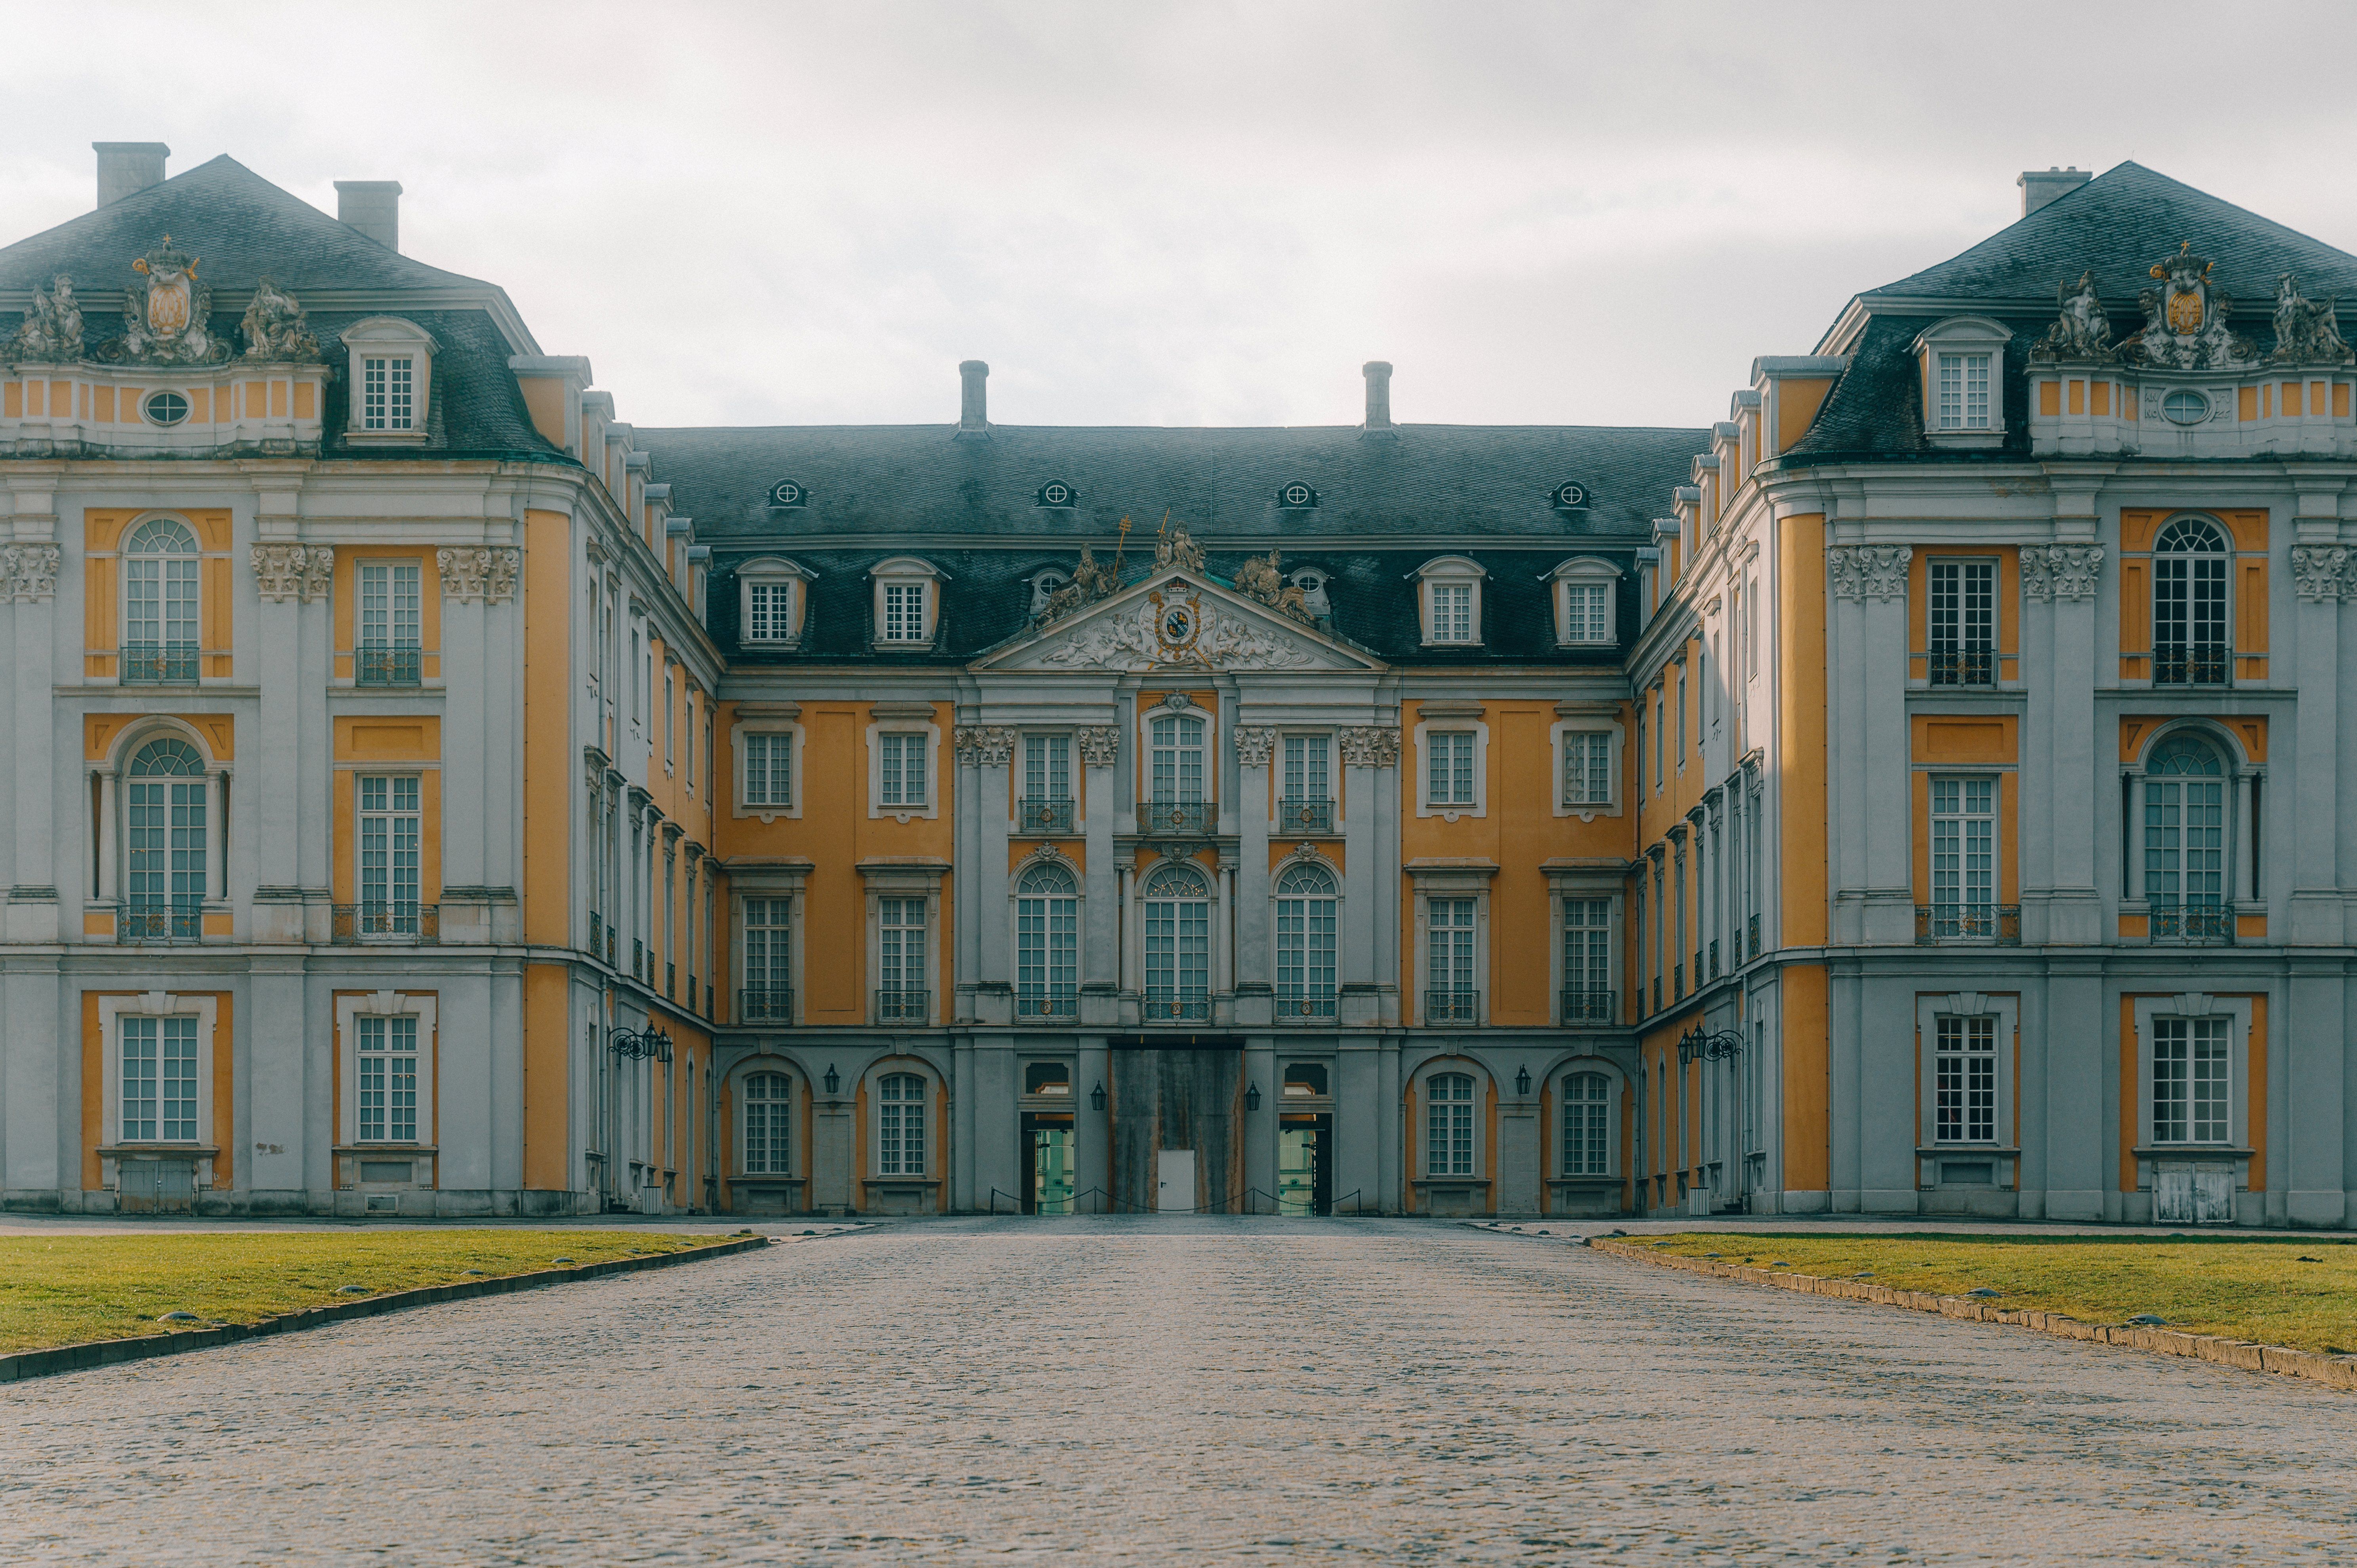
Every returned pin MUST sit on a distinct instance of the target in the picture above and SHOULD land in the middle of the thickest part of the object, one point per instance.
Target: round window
(1295, 495)
(1055, 495)
(167, 407)
(1570, 495)
(2185, 408)
(787, 492)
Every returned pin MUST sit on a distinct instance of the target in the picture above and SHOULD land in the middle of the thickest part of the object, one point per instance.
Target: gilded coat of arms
(2185, 320)
(164, 314)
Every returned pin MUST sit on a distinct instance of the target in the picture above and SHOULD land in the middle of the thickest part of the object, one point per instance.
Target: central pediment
(1176, 619)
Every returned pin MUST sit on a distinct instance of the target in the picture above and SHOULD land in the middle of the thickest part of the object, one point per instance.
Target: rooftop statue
(164, 314)
(2185, 320)
(275, 328)
(1264, 581)
(2306, 332)
(1176, 549)
(51, 330)
(1090, 581)
(2084, 332)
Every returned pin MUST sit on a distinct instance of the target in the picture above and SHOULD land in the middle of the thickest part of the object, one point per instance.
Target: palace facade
(433, 796)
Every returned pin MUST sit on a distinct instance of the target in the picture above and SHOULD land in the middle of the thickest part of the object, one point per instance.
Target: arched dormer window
(160, 621)
(1962, 362)
(390, 378)
(1046, 943)
(1449, 589)
(1583, 602)
(908, 602)
(772, 601)
(1177, 905)
(1306, 906)
(2191, 563)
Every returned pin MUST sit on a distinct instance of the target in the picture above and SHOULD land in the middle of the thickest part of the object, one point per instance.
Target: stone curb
(2334, 1371)
(108, 1352)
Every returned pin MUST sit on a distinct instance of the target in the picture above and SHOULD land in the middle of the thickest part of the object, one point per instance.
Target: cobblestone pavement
(1143, 1391)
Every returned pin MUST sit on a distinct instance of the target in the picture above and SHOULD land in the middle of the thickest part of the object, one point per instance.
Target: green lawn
(2255, 1290)
(66, 1289)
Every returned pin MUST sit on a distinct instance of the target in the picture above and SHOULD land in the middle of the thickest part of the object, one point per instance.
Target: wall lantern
(642, 1043)
(834, 1079)
(1096, 1098)
(1252, 1097)
(1716, 1047)
(1522, 1083)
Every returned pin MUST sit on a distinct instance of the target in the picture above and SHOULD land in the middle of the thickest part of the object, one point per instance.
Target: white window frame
(2236, 778)
(206, 1008)
(194, 555)
(386, 338)
(1560, 888)
(1279, 897)
(1215, 929)
(775, 886)
(2238, 1011)
(2227, 558)
(776, 729)
(671, 711)
(1963, 817)
(1164, 708)
(391, 566)
(1450, 722)
(1585, 572)
(1615, 1086)
(1017, 895)
(766, 1066)
(903, 571)
(111, 874)
(773, 572)
(901, 881)
(349, 1009)
(1963, 566)
(902, 812)
(1459, 881)
(393, 776)
(1478, 1155)
(1613, 738)
(1968, 336)
(927, 1101)
(1453, 570)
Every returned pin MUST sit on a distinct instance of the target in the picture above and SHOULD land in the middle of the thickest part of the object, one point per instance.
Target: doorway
(1048, 1160)
(1173, 1181)
(1305, 1165)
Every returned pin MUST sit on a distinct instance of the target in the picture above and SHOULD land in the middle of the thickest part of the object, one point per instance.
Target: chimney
(2038, 190)
(372, 206)
(1379, 399)
(125, 167)
(974, 399)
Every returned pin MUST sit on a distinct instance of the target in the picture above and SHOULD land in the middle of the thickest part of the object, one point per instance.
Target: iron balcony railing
(1696, 971)
(1178, 817)
(1305, 815)
(1714, 958)
(611, 940)
(671, 979)
(707, 999)
(1048, 816)
(160, 665)
(150, 922)
(898, 1006)
(1753, 923)
(1998, 923)
(1964, 667)
(1590, 1004)
(1677, 980)
(596, 933)
(2192, 923)
(1298, 1004)
(1452, 1006)
(395, 920)
(2191, 664)
(1181, 1007)
(1056, 1003)
(638, 957)
(386, 667)
(765, 1004)
(1657, 994)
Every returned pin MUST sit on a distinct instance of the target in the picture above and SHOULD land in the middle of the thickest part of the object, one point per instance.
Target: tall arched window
(1587, 1124)
(900, 1125)
(160, 604)
(1449, 1121)
(768, 1125)
(1177, 775)
(1178, 943)
(1047, 944)
(2189, 605)
(2185, 840)
(166, 880)
(1304, 943)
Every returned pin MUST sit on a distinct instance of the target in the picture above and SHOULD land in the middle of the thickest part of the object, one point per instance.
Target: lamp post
(1097, 1098)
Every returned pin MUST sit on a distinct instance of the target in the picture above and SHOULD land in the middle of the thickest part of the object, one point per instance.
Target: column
(2076, 910)
(985, 753)
(41, 853)
(2033, 854)
(1846, 735)
(1889, 793)
(961, 1193)
(2315, 806)
(467, 765)
(1253, 747)
(1260, 1126)
(1100, 942)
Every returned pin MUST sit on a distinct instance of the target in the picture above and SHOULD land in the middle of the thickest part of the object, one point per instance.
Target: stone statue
(2305, 331)
(275, 328)
(1264, 581)
(1176, 549)
(2084, 331)
(51, 330)
(1090, 581)
(2185, 320)
(165, 314)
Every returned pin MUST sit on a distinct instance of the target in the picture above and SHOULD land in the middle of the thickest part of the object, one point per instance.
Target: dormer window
(1450, 587)
(1567, 495)
(789, 492)
(1055, 493)
(773, 597)
(1295, 496)
(908, 606)
(1584, 602)
(390, 378)
(1963, 366)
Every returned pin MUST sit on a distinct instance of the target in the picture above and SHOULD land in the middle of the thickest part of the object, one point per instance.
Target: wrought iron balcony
(1452, 1006)
(397, 920)
(1047, 1004)
(765, 1004)
(611, 940)
(1180, 1007)
(898, 1006)
(1296, 1005)
(1714, 958)
(671, 979)
(2198, 923)
(1753, 923)
(386, 666)
(2191, 664)
(1304, 815)
(1051, 816)
(1998, 923)
(1178, 817)
(596, 933)
(146, 922)
(1964, 667)
(638, 957)
(1590, 1004)
(1677, 980)
(1657, 994)
(158, 664)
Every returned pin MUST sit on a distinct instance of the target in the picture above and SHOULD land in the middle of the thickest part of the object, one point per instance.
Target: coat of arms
(2185, 320)
(164, 314)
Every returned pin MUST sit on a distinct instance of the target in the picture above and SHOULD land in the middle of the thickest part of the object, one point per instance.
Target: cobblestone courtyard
(1141, 1390)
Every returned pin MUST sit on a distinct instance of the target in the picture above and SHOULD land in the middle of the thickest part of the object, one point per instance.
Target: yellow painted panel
(307, 403)
(104, 413)
(2050, 398)
(2341, 400)
(218, 923)
(2251, 927)
(2291, 400)
(547, 1077)
(1800, 761)
(12, 401)
(2246, 404)
(2258, 1090)
(200, 405)
(1964, 740)
(98, 924)
(550, 762)
(2099, 401)
(2078, 396)
(2136, 605)
(1808, 1095)
(544, 399)
(2137, 529)
(406, 739)
(2251, 605)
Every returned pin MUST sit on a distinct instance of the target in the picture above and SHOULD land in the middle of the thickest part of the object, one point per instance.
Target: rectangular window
(1641, 749)
(1449, 754)
(690, 740)
(385, 393)
(767, 1128)
(901, 945)
(1964, 1070)
(1661, 726)
(1449, 951)
(904, 612)
(900, 764)
(1452, 611)
(900, 1125)
(388, 1082)
(1587, 1132)
(1964, 392)
(1964, 857)
(1682, 720)
(1964, 623)
(389, 833)
(1047, 948)
(1586, 767)
(1047, 768)
(1588, 961)
(770, 607)
(768, 960)
(160, 601)
(390, 603)
(160, 1080)
(1450, 1125)
(1175, 760)
(1305, 775)
(2192, 1099)
(1587, 612)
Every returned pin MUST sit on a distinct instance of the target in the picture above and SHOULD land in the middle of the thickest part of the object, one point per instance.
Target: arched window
(900, 1125)
(768, 1125)
(1176, 777)
(1449, 1119)
(1047, 944)
(2189, 605)
(160, 604)
(2185, 838)
(1177, 942)
(166, 880)
(1304, 943)
(1587, 1124)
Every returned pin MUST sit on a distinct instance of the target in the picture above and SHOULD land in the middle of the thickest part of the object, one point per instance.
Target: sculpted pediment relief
(1177, 618)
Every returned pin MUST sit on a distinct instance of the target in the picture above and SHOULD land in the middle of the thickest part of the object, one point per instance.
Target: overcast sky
(1186, 214)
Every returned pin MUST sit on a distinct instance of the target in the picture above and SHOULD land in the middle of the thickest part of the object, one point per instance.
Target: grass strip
(70, 1290)
(2300, 1293)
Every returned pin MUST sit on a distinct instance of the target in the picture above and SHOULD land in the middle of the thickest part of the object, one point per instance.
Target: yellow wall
(1800, 718)
(1808, 1090)
(547, 1082)
(550, 762)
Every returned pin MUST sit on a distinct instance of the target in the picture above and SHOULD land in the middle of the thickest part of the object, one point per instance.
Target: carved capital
(985, 745)
(284, 572)
(1869, 571)
(478, 572)
(2319, 571)
(30, 572)
(318, 571)
(1254, 747)
(1369, 745)
(1099, 746)
(2061, 571)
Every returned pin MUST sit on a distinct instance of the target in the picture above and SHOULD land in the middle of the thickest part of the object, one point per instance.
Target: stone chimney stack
(1379, 398)
(372, 206)
(125, 167)
(2038, 188)
(974, 399)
